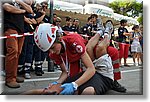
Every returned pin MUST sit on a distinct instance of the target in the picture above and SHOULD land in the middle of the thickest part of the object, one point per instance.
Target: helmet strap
(58, 40)
(62, 48)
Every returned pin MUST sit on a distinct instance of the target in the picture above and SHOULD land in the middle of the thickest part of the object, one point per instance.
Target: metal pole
(50, 65)
(50, 62)
(51, 11)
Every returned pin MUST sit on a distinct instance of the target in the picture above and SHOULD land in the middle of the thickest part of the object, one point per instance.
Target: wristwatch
(75, 86)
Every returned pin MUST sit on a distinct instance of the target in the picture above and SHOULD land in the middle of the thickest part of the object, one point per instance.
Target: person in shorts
(67, 51)
(136, 48)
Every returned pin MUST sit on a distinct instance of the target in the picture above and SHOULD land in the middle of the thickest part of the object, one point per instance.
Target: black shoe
(20, 71)
(126, 65)
(117, 87)
(31, 69)
(42, 72)
(38, 73)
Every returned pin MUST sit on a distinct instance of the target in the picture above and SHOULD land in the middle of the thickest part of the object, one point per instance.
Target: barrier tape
(16, 35)
(32, 33)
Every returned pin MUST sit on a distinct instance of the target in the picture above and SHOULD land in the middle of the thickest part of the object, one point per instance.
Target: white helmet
(45, 35)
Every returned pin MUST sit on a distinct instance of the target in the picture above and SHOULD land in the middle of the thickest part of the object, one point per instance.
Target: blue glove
(69, 89)
(54, 83)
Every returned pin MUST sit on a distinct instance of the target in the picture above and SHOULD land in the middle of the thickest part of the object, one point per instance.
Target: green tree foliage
(127, 7)
(140, 20)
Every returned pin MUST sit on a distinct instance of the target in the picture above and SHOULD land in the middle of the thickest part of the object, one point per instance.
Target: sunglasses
(45, 6)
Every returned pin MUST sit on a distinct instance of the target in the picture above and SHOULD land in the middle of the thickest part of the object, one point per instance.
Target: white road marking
(134, 70)
(32, 80)
(41, 79)
(55, 78)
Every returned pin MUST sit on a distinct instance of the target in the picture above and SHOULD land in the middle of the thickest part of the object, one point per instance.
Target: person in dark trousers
(39, 55)
(25, 59)
(14, 24)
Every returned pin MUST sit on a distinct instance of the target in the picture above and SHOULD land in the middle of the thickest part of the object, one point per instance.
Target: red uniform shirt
(75, 48)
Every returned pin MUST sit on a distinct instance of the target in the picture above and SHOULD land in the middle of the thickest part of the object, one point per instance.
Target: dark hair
(54, 14)
(94, 15)
(68, 18)
(75, 19)
(123, 21)
(135, 26)
(44, 3)
(109, 21)
(89, 18)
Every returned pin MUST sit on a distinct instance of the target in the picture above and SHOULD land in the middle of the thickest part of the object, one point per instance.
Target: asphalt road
(132, 79)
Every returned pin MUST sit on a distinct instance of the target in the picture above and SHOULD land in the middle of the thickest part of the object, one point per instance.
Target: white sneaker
(100, 27)
(108, 28)
(99, 23)
(27, 76)
(2, 73)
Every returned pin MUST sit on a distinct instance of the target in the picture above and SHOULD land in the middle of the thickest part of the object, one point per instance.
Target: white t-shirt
(104, 66)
